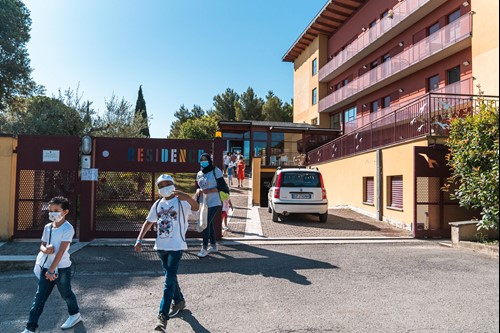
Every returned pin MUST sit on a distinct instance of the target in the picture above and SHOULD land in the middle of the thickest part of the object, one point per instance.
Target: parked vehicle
(297, 190)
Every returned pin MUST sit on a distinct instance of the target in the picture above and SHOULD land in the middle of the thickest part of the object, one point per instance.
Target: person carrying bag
(213, 187)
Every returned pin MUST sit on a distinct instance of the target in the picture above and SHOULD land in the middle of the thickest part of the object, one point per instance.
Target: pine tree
(140, 110)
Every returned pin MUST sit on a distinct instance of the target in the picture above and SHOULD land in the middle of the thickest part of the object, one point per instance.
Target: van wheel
(275, 216)
(323, 217)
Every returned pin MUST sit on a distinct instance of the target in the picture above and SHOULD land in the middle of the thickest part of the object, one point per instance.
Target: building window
(350, 114)
(433, 83)
(386, 57)
(454, 16)
(314, 121)
(336, 121)
(338, 86)
(453, 75)
(396, 192)
(432, 29)
(386, 102)
(314, 96)
(374, 106)
(314, 66)
(368, 190)
(384, 14)
(374, 64)
(345, 82)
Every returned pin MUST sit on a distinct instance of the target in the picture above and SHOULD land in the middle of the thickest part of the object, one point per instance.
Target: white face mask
(166, 191)
(55, 216)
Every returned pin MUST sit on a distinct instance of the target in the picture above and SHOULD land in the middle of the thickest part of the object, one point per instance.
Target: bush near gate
(473, 159)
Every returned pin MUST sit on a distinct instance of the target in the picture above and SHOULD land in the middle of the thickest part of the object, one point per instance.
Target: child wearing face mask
(56, 271)
(170, 213)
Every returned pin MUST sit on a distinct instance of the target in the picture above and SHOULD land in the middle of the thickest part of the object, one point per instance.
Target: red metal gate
(124, 191)
(47, 166)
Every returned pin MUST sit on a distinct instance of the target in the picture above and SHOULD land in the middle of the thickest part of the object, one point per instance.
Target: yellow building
(389, 75)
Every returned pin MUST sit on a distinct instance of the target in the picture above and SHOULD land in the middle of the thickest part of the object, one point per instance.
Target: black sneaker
(176, 308)
(161, 323)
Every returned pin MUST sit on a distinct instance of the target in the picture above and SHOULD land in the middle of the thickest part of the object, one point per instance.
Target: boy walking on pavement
(170, 213)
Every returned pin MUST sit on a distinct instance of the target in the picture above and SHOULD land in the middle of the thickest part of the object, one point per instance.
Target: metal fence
(429, 115)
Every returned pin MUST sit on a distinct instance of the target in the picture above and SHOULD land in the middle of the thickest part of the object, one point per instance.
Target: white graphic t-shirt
(64, 233)
(171, 217)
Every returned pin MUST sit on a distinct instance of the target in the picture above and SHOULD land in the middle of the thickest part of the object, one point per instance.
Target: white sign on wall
(90, 174)
(50, 156)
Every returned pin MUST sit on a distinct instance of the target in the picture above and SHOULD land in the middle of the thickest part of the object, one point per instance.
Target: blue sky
(182, 52)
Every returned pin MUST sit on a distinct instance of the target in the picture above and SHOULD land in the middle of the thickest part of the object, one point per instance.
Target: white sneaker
(72, 321)
(225, 228)
(27, 331)
(212, 249)
(202, 253)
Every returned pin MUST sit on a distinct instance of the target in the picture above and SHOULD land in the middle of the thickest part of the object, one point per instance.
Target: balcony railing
(440, 40)
(458, 88)
(429, 115)
(401, 11)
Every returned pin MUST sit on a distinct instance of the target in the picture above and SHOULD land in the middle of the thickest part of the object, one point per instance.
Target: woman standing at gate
(209, 180)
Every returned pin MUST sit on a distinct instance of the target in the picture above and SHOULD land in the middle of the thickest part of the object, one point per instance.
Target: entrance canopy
(277, 143)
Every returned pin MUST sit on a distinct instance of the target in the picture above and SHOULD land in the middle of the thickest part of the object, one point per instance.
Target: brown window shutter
(397, 191)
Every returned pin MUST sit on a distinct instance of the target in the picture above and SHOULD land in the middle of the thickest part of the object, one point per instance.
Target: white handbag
(41, 259)
(203, 216)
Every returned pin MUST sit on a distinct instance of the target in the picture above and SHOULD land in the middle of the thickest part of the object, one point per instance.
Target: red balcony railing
(400, 12)
(429, 115)
(458, 88)
(442, 39)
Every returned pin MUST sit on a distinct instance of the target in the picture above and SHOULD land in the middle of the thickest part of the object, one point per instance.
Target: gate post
(87, 202)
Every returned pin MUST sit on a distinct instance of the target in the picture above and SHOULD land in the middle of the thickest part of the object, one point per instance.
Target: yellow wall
(304, 83)
(344, 181)
(256, 166)
(485, 36)
(7, 186)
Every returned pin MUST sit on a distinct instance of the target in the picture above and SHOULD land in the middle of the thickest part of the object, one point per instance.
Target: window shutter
(369, 189)
(397, 192)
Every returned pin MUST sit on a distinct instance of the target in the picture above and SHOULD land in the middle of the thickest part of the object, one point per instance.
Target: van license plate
(301, 195)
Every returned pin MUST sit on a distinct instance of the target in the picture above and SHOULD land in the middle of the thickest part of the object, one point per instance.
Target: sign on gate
(125, 186)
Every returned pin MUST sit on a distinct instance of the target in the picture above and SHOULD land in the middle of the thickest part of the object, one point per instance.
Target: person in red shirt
(241, 171)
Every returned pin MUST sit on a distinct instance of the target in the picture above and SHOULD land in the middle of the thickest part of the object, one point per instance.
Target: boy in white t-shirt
(170, 213)
(56, 268)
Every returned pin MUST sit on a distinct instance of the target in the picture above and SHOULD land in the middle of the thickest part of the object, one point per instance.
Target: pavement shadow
(188, 317)
(250, 260)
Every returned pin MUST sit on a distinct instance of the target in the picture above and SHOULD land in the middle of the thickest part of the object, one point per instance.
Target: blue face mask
(204, 164)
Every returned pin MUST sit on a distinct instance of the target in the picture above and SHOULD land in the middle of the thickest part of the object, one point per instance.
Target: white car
(297, 190)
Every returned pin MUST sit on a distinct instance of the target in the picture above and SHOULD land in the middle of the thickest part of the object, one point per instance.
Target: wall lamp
(401, 90)
(331, 88)
(466, 63)
(364, 66)
(401, 44)
(363, 29)
(364, 105)
(465, 3)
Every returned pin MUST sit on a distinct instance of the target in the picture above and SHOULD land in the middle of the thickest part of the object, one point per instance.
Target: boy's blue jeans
(209, 231)
(170, 262)
(45, 287)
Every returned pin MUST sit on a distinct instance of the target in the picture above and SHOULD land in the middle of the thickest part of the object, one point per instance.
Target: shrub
(473, 159)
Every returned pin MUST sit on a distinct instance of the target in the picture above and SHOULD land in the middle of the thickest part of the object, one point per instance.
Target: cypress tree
(140, 110)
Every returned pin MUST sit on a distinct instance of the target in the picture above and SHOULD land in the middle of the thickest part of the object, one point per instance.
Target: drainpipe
(380, 185)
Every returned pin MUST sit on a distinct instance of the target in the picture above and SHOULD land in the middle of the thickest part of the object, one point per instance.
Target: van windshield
(300, 179)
